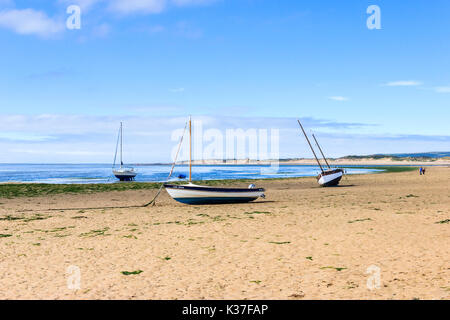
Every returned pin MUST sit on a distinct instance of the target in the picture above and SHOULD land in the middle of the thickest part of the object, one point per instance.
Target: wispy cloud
(388, 137)
(338, 98)
(177, 90)
(24, 137)
(413, 83)
(49, 74)
(182, 3)
(81, 125)
(35, 22)
(137, 6)
(81, 138)
(30, 22)
(404, 83)
(61, 153)
(442, 89)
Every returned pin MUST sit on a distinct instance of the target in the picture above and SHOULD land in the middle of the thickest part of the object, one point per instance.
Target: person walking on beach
(423, 171)
(420, 170)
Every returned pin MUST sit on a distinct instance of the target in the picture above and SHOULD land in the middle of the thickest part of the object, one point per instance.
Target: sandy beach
(301, 242)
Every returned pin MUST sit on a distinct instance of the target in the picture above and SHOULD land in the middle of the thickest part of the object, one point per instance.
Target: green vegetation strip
(258, 212)
(25, 219)
(128, 273)
(360, 220)
(95, 233)
(274, 242)
(337, 269)
(41, 189)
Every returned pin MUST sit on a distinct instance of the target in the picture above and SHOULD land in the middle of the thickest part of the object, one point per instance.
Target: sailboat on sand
(328, 177)
(122, 173)
(195, 194)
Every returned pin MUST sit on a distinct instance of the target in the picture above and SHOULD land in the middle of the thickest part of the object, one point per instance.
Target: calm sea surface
(101, 173)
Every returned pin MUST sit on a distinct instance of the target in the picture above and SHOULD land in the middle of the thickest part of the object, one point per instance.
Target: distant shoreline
(333, 162)
(382, 160)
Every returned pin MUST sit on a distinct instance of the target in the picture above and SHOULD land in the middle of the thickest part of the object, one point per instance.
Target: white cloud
(339, 98)
(183, 3)
(442, 89)
(30, 22)
(132, 6)
(407, 83)
(140, 6)
(137, 6)
(24, 136)
(50, 138)
(177, 90)
(34, 22)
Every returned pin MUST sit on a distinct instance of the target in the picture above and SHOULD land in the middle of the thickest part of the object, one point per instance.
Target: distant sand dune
(360, 161)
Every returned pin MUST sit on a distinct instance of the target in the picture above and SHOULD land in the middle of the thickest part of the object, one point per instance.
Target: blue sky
(234, 63)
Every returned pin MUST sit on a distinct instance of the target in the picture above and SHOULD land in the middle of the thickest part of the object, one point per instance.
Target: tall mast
(315, 156)
(121, 145)
(190, 149)
(317, 143)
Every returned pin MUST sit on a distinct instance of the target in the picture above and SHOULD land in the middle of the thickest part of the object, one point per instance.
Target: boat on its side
(328, 177)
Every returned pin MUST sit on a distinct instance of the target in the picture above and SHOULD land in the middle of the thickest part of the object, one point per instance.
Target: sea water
(102, 173)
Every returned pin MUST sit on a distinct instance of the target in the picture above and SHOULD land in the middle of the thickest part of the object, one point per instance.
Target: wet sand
(301, 242)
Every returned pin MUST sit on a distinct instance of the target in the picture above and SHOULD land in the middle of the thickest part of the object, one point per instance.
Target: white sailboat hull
(330, 178)
(193, 194)
(125, 174)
